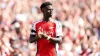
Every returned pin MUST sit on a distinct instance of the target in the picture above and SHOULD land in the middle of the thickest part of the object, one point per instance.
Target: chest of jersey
(48, 28)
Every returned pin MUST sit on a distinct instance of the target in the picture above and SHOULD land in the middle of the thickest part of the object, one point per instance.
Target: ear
(42, 9)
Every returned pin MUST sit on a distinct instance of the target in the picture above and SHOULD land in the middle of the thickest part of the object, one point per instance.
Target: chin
(50, 15)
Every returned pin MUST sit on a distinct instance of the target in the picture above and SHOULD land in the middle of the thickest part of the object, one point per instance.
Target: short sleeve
(59, 29)
(33, 30)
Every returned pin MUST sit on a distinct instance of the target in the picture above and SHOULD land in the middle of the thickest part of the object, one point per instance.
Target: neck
(46, 18)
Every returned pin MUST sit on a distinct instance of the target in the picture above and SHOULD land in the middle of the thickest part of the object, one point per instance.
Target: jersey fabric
(51, 28)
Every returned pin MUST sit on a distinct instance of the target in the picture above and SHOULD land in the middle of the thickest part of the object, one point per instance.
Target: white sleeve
(33, 30)
(59, 29)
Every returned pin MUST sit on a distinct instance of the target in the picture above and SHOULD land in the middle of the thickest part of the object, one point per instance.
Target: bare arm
(33, 38)
(58, 39)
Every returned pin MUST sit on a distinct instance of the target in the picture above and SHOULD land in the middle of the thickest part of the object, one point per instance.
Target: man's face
(48, 10)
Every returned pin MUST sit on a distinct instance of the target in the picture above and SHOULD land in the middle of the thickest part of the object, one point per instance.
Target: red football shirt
(51, 28)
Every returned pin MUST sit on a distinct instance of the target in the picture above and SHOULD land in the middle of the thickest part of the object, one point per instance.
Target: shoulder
(58, 23)
(34, 24)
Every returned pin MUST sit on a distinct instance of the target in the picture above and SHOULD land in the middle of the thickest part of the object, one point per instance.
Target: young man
(46, 32)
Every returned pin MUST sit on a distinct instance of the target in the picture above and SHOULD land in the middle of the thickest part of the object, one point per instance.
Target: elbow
(30, 41)
(59, 41)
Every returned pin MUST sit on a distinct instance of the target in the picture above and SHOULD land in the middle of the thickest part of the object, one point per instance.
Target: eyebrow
(48, 5)
(50, 9)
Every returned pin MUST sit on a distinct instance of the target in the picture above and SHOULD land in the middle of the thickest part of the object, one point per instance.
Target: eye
(50, 10)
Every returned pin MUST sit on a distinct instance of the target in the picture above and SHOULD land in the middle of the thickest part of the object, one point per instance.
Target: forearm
(33, 39)
(56, 40)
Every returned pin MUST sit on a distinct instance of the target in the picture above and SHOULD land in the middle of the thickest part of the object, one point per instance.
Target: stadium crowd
(80, 22)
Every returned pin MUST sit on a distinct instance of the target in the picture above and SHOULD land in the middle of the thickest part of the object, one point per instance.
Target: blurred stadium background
(80, 20)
